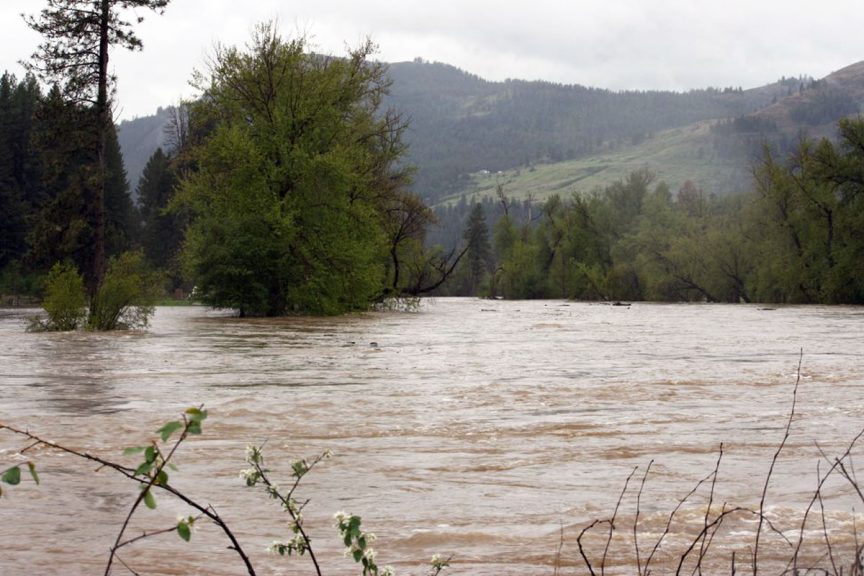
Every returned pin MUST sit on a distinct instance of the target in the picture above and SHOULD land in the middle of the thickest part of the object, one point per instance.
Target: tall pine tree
(74, 55)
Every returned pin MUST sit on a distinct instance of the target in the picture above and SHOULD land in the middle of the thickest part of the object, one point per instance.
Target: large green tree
(294, 179)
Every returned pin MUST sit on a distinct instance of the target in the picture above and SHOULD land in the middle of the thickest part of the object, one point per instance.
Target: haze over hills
(467, 134)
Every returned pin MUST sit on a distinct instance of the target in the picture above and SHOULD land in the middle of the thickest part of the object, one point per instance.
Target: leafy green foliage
(149, 500)
(357, 543)
(47, 166)
(12, 476)
(796, 238)
(168, 429)
(65, 298)
(184, 529)
(128, 295)
(293, 180)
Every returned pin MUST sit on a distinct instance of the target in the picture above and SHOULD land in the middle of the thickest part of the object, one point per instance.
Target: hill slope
(549, 137)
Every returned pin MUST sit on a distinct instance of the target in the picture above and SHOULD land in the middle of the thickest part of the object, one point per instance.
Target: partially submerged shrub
(128, 294)
(65, 299)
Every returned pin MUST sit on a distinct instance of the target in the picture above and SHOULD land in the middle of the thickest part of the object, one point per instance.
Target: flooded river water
(490, 431)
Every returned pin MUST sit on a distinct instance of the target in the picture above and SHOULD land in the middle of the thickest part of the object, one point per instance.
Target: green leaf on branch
(133, 450)
(32, 468)
(161, 479)
(150, 454)
(149, 500)
(168, 429)
(196, 414)
(184, 531)
(194, 427)
(144, 468)
(12, 476)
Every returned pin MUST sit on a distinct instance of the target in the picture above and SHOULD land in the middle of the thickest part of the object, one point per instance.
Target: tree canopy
(295, 177)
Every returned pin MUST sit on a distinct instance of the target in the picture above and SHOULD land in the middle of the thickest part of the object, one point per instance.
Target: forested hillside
(462, 126)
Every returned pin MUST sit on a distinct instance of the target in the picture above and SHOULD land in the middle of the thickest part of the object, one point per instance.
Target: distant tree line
(287, 188)
(796, 238)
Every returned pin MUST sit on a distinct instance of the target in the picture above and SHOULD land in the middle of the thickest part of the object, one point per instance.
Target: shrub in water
(65, 299)
(127, 296)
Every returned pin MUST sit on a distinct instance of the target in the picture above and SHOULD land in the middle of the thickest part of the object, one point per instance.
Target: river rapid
(487, 430)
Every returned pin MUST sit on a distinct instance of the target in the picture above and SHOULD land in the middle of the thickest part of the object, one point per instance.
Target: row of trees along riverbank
(283, 189)
(796, 237)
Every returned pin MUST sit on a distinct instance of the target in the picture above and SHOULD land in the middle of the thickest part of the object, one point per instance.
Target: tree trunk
(103, 120)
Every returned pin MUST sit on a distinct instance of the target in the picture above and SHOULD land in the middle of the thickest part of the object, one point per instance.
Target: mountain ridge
(462, 125)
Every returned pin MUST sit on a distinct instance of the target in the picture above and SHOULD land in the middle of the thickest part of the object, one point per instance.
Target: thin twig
(582, 550)
(671, 518)
(146, 534)
(773, 463)
(130, 474)
(706, 542)
(129, 568)
(825, 526)
(152, 480)
(558, 552)
(636, 519)
(716, 522)
(612, 522)
(850, 479)
(817, 495)
(288, 505)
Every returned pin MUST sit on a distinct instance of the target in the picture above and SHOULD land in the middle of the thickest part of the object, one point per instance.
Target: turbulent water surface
(490, 431)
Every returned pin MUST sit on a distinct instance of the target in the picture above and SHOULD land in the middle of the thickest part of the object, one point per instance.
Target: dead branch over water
(687, 551)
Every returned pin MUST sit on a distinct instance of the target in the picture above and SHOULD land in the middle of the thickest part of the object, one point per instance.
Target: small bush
(65, 299)
(128, 294)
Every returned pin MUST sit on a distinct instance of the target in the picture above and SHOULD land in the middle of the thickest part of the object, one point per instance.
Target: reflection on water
(472, 427)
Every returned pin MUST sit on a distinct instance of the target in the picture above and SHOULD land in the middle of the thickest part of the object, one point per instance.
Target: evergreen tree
(122, 222)
(61, 217)
(78, 36)
(161, 233)
(476, 237)
(19, 165)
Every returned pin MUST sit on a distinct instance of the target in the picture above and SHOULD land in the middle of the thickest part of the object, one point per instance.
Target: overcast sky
(617, 44)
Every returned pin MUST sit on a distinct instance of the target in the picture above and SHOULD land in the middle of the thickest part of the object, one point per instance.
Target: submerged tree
(294, 181)
(74, 54)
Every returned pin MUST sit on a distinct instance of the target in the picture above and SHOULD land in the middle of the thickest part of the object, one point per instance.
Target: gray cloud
(618, 44)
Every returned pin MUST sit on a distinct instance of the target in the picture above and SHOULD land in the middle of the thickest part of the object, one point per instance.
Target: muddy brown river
(490, 431)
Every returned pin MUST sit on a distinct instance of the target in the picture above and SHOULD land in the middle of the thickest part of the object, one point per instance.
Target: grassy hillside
(716, 154)
(674, 156)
